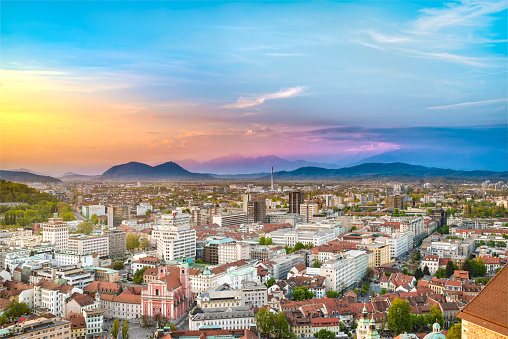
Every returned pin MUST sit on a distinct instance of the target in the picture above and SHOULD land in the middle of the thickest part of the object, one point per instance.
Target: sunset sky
(88, 85)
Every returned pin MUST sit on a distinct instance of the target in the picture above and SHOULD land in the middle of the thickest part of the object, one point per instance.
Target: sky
(88, 85)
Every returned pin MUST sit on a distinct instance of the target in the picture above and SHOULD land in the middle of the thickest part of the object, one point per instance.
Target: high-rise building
(295, 200)
(175, 239)
(256, 210)
(117, 214)
(308, 209)
(89, 244)
(117, 242)
(395, 201)
(439, 216)
(56, 232)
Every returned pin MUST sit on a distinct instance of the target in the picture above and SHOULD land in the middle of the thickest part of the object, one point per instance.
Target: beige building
(381, 252)
(56, 232)
(233, 251)
(41, 328)
(89, 244)
(127, 305)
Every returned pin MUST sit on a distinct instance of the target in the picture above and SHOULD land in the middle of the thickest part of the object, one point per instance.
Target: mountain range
(24, 176)
(139, 171)
(395, 170)
(238, 164)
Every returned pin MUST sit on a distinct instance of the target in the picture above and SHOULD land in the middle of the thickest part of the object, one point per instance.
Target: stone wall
(473, 331)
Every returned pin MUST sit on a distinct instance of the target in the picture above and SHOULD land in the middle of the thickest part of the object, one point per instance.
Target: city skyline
(86, 87)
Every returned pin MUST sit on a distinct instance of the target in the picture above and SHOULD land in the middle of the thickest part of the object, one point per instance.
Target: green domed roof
(59, 281)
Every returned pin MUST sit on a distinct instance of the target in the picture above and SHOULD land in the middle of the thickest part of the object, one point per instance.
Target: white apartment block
(432, 262)
(229, 219)
(415, 225)
(360, 261)
(50, 297)
(65, 258)
(175, 240)
(322, 226)
(339, 273)
(226, 317)
(400, 243)
(98, 210)
(233, 251)
(89, 244)
(289, 237)
(73, 275)
(56, 232)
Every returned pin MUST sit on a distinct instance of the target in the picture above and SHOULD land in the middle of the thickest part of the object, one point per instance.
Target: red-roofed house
(432, 262)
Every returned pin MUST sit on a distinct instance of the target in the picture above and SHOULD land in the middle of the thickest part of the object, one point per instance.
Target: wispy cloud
(472, 103)
(478, 62)
(466, 13)
(439, 31)
(255, 101)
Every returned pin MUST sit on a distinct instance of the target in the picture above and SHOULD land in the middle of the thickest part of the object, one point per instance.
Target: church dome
(436, 333)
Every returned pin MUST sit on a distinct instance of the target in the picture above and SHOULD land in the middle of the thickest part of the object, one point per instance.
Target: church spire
(163, 262)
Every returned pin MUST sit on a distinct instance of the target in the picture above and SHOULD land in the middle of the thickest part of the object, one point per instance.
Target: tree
(125, 330)
(3, 320)
(455, 332)
(417, 255)
(332, 294)
(466, 266)
(132, 241)
(200, 261)
(265, 320)
(145, 321)
(84, 228)
(16, 310)
(94, 219)
(383, 291)
(316, 264)
(449, 269)
(324, 334)
(68, 216)
(172, 327)
(281, 327)
(426, 270)
(435, 316)
(302, 293)
(298, 246)
(115, 329)
(399, 316)
(353, 228)
(118, 265)
(262, 240)
(441, 273)
(270, 282)
(268, 241)
(144, 243)
(418, 273)
(138, 275)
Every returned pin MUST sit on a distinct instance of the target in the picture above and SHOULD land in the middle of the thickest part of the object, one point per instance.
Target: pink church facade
(170, 295)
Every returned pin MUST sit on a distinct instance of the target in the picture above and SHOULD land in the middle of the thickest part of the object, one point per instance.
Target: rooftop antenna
(272, 180)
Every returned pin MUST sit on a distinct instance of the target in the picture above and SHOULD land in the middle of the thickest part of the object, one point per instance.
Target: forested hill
(14, 192)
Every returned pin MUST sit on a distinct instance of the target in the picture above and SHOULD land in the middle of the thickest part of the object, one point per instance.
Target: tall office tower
(308, 209)
(56, 232)
(295, 200)
(395, 201)
(256, 210)
(246, 199)
(117, 214)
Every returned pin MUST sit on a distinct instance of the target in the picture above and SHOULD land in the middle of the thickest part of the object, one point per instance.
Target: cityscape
(253, 170)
